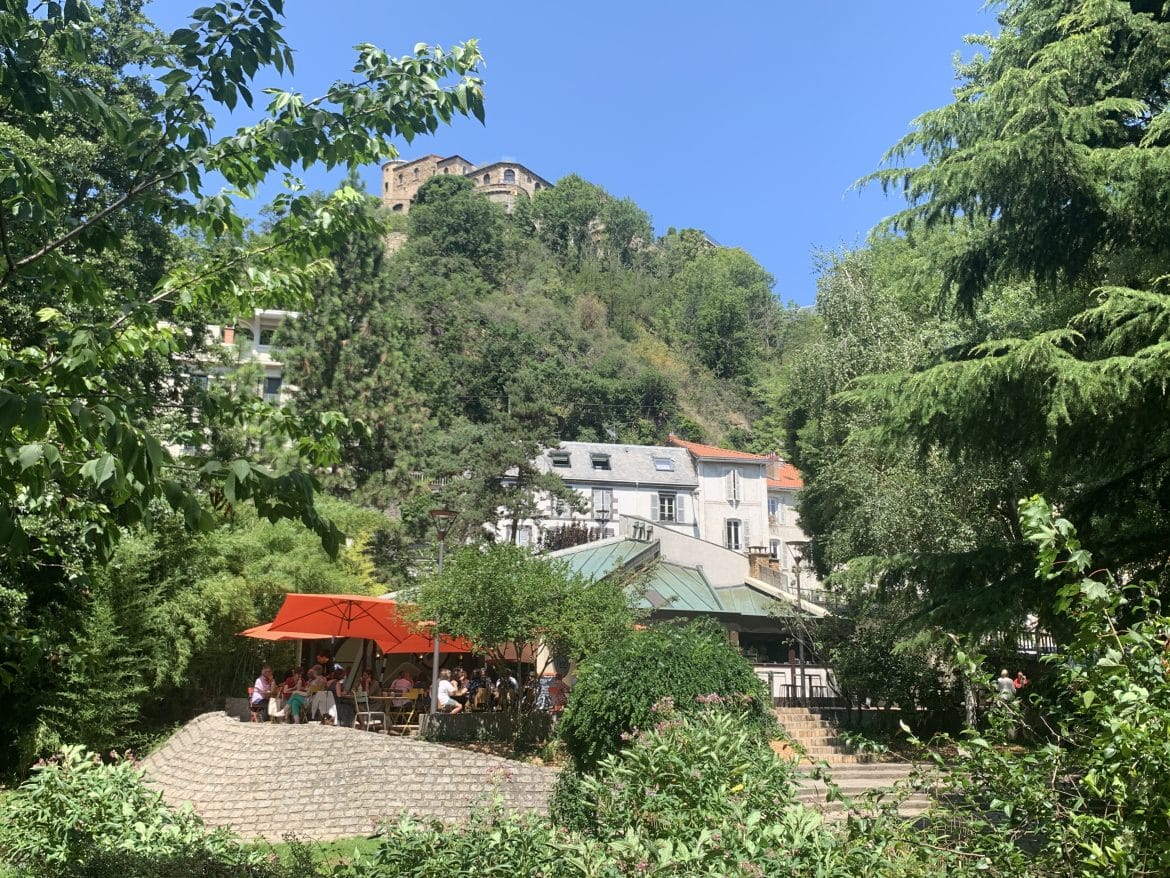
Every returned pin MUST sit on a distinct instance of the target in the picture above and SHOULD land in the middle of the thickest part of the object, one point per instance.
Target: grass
(340, 850)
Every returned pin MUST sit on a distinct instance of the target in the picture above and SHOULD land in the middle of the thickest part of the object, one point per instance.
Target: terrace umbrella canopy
(368, 618)
(424, 643)
(342, 615)
(265, 632)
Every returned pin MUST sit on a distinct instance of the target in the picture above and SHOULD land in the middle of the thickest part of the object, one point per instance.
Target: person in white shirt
(446, 703)
(264, 688)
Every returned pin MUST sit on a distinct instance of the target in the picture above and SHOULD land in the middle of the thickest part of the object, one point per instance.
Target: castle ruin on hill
(501, 182)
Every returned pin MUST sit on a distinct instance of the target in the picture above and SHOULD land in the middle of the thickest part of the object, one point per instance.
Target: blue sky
(750, 120)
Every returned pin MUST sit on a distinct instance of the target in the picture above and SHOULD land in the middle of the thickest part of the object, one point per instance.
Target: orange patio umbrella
(425, 643)
(369, 618)
(265, 632)
(342, 615)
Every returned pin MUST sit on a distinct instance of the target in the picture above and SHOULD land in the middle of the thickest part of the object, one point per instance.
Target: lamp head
(443, 518)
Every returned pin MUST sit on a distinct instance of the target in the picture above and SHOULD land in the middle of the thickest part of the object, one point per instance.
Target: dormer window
(560, 459)
(664, 464)
(599, 461)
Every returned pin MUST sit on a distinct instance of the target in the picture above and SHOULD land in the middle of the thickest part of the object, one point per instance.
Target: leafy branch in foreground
(1086, 799)
(76, 404)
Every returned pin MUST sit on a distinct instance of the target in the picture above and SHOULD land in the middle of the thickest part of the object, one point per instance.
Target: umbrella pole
(435, 654)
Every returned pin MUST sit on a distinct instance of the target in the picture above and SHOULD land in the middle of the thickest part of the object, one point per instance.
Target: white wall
(635, 500)
(722, 567)
(751, 508)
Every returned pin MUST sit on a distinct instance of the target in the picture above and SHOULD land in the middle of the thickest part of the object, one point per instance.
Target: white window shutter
(680, 509)
(654, 507)
(729, 485)
(745, 535)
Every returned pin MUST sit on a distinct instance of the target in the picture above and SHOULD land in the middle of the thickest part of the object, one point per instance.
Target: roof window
(664, 464)
(559, 458)
(599, 461)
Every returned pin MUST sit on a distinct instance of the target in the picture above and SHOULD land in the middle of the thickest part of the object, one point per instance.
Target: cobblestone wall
(268, 779)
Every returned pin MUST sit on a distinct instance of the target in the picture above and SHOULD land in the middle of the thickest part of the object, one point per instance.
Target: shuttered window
(732, 482)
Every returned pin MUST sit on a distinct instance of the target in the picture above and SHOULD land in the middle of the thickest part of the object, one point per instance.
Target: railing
(817, 596)
(788, 687)
(1036, 643)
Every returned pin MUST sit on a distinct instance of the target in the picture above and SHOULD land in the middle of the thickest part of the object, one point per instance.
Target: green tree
(565, 216)
(451, 221)
(70, 422)
(1039, 191)
(724, 304)
(506, 600)
(628, 228)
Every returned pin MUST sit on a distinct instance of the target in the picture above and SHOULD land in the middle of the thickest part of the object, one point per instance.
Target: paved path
(322, 782)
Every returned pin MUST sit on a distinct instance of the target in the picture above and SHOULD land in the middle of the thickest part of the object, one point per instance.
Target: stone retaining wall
(321, 782)
(525, 728)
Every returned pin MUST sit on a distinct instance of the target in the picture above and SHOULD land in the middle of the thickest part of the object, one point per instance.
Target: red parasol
(265, 632)
(342, 615)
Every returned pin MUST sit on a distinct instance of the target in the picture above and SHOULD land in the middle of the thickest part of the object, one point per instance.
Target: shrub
(77, 815)
(616, 689)
(696, 795)
(688, 772)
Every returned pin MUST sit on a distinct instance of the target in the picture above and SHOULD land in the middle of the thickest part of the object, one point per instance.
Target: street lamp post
(442, 518)
(798, 549)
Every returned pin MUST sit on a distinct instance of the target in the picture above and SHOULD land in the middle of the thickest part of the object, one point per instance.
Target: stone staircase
(816, 735)
(865, 785)
(856, 776)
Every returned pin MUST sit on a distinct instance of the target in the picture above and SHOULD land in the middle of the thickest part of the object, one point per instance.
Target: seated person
(478, 690)
(445, 700)
(296, 693)
(369, 683)
(320, 701)
(459, 686)
(401, 685)
(263, 689)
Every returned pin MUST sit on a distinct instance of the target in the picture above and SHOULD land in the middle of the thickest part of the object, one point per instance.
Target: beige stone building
(502, 182)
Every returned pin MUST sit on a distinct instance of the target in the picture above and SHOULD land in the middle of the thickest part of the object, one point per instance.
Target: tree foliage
(73, 415)
(1035, 206)
(618, 687)
(507, 602)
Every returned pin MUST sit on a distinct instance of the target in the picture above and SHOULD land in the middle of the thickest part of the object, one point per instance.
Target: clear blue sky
(750, 119)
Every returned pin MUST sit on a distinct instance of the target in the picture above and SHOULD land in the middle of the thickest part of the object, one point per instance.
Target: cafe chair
(366, 717)
(403, 719)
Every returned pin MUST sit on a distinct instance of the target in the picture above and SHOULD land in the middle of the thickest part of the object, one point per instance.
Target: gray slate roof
(629, 464)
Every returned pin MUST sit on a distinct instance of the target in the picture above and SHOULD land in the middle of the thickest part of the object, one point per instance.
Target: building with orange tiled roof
(713, 452)
(738, 500)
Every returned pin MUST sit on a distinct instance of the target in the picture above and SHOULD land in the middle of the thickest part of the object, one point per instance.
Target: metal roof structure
(666, 586)
(600, 559)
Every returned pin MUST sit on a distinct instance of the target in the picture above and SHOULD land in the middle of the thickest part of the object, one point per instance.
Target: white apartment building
(655, 482)
(740, 501)
(253, 336)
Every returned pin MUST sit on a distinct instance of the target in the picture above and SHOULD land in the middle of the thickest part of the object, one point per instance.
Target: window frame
(728, 529)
